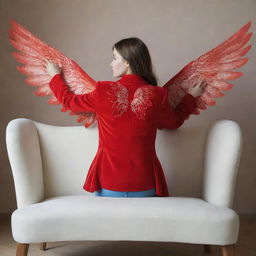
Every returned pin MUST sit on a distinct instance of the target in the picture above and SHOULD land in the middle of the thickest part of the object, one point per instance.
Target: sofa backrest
(49, 161)
(67, 153)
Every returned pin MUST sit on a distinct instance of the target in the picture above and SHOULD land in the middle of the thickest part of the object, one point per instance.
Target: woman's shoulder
(102, 83)
(105, 84)
(161, 90)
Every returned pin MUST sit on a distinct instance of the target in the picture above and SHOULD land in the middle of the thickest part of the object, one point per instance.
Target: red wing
(32, 52)
(214, 68)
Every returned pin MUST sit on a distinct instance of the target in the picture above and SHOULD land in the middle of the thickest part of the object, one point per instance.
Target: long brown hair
(136, 53)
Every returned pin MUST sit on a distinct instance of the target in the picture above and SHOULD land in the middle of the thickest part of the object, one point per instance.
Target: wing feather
(33, 52)
(213, 68)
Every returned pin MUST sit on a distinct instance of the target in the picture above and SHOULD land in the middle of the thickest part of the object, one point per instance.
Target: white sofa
(49, 165)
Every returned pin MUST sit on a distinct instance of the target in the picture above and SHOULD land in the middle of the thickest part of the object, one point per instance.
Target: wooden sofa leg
(43, 246)
(207, 249)
(228, 250)
(22, 249)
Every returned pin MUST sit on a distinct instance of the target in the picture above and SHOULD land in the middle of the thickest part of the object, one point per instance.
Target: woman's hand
(52, 68)
(197, 89)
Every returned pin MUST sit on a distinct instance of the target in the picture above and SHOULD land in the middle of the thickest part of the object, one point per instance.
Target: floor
(246, 245)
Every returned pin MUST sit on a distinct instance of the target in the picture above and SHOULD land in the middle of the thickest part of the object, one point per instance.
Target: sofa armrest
(222, 157)
(23, 150)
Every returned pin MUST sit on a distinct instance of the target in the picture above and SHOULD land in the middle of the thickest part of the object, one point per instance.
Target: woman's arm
(76, 103)
(88, 102)
(173, 118)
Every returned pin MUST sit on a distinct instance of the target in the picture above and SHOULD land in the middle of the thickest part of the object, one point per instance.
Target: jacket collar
(132, 79)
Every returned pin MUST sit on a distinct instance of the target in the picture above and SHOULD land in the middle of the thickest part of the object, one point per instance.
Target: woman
(130, 112)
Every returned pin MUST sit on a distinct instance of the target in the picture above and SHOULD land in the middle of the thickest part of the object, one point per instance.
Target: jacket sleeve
(78, 103)
(173, 118)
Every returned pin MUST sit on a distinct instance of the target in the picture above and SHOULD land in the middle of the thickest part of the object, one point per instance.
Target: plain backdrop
(175, 31)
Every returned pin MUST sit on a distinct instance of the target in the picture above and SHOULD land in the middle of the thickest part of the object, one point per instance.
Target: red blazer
(129, 113)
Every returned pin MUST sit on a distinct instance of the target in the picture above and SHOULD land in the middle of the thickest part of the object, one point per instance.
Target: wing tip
(245, 60)
(20, 69)
(12, 22)
(236, 75)
(249, 23)
(52, 101)
(229, 87)
(240, 73)
(212, 103)
(248, 48)
(40, 94)
(250, 35)
(246, 26)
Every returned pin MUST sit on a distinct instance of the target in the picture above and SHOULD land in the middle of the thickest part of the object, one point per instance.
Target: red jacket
(129, 112)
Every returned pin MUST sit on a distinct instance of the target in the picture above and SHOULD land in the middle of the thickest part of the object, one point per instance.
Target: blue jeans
(111, 193)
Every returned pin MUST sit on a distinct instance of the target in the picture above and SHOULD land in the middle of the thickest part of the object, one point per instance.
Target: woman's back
(127, 122)
(128, 112)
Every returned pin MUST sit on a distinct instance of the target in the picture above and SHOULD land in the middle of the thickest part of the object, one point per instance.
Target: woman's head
(131, 56)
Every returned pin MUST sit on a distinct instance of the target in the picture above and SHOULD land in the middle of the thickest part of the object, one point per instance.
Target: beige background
(175, 32)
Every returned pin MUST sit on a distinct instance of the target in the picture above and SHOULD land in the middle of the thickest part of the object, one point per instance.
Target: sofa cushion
(165, 219)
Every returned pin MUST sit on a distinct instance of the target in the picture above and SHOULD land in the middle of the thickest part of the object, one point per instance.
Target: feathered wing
(32, 52)
(214, 68)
